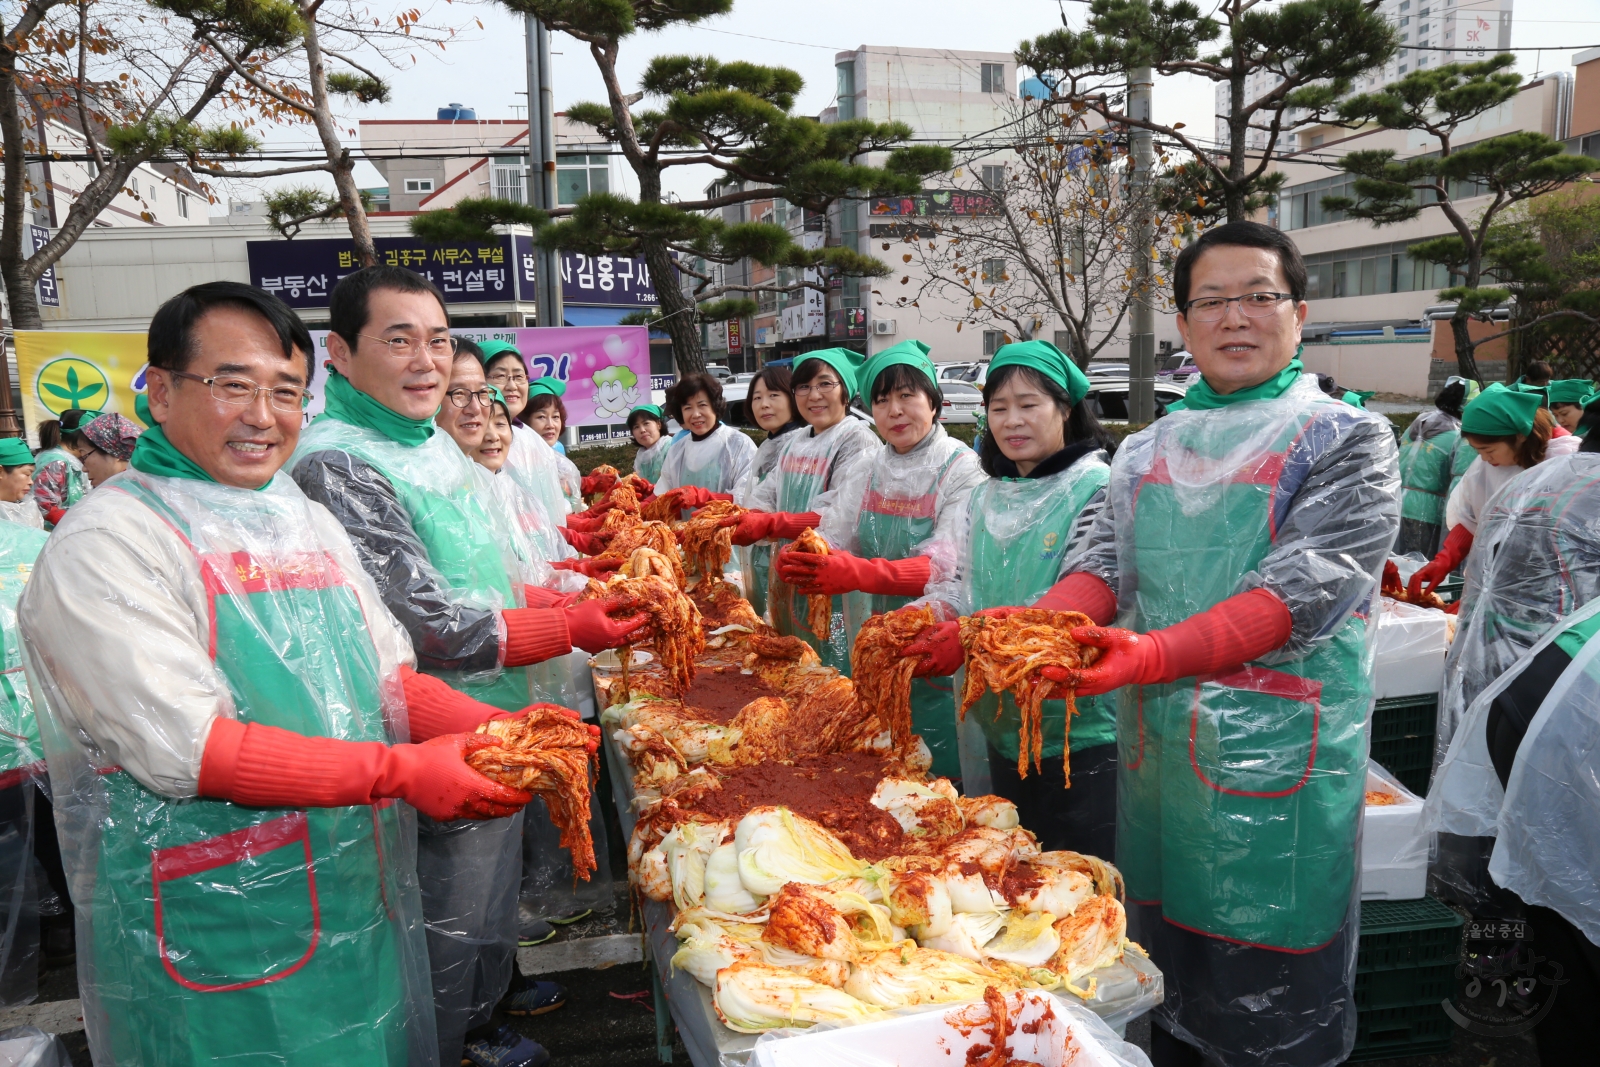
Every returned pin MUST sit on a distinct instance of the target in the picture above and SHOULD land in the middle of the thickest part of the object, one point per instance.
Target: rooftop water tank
(457, 111)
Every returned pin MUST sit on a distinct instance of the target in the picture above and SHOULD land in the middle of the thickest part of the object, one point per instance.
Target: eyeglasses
(821, 387)
(241, 391)
(508, 377)
(1253, 305)
(459, 397)
(406, 347)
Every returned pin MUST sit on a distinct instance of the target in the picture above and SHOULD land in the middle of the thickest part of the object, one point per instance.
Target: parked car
(735, 391)
(1108, 370)
(976, 373)
(962, 402)
(1108, 398)
(1179, 367)
(718, 371)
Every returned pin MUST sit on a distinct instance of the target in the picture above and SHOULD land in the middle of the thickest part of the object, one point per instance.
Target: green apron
(1239, 797)
(229, 934)
(647, 461)
(1425, 478)
(892, 528)
(462, 532)
(21, 754)
(801, 480)
(1020, 531)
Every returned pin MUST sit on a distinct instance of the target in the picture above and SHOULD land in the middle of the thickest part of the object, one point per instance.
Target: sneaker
(531, 931)
(506, 1048)
(534, 998)
(562, 920)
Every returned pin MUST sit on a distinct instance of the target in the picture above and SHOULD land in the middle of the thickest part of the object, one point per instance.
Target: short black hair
(1452, 398)
(1539, 373)
(1247, 235)
(79, 418)
(466, 346)
(1081, 424)
(899, 376)
(18, 466)
(686, 389)
(640, 416)
(538, 402)
(169, 343)
(347, 304)
(776, 379)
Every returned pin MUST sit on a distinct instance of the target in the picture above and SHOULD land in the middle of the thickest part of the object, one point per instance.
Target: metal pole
(542, 167)
(1142, 339)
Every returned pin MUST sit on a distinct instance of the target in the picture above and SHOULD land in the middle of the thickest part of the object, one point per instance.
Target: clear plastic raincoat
(893, 506)
(717, 463)
(570, 480)
(1010, 549)
(21, 762)
(647, 461)
(59, 479)
(1240, 797)
(755, 561)
(1427, 457)
(23, 513)
(532, 463)
(209, 932)
(811, 466)
(1545, 820)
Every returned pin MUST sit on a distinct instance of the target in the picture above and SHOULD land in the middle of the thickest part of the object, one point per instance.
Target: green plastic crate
(1392, 1033)
(1407, 934)
(1410, 759)
(1397, 718)
(1405, 987)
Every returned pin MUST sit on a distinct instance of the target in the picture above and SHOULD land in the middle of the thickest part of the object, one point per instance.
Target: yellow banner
(93, 371)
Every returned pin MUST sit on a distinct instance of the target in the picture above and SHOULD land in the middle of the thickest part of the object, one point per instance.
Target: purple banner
(304, 272)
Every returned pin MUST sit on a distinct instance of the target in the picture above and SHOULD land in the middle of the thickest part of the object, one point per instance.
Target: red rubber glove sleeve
(792, 524)
(1243, 627)
(695, 496)
(1081, 591)
(842, 572)
(534, 635)
(587, 543)
(537, 596)
(263, 766)
(590, 568)
(434, 709)
(1457, 544)
(55, 515)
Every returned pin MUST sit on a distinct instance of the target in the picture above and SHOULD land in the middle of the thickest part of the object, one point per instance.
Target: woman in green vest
(891, 525)
(1427, 456)
(769, 406)
(1048, 464)
(813, 462)
(59, 480)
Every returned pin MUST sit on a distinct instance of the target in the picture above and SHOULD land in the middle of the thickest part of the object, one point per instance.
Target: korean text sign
(304, 272)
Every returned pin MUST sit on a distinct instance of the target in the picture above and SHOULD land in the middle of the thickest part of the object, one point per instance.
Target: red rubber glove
(1457, 544)
(939, 649)
(1081, 591)
(585, 522)
(587, 543)
(592, 568)
(265, 767)
(597, 483)
(694, 496)
(594, 628)
(1240, 629)
(842, 572)
(534, 635)
(643, 487)
(433, 708)
(55, 515)
(537, 596)
(755, 526)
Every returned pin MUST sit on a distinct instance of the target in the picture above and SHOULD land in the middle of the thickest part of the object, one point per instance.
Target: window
(507, 176)
(1422, 28)
(994, 77)
(578, 176)
(133, 183)
(1405, 20)
(183, 204)
(1405, 5)
(1063, 341)
(994, 177)
(992, 340)
(994, 271)
(419, 185)
(1402, 69)
(846, 89)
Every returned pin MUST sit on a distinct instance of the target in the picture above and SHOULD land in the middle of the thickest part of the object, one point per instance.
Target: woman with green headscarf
(1567, 397)
(813, 463)
(1428, 448)
(1048, 463)
(1511, 431)
(891, 525)
(647, 425)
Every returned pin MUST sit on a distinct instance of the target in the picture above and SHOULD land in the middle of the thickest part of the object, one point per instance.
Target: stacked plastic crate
(1405, 970)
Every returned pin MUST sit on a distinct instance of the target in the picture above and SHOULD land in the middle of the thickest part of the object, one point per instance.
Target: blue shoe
(535, 998)
(506, 1048)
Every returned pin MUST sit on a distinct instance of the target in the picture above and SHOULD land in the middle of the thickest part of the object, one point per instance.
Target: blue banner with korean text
(304, 272)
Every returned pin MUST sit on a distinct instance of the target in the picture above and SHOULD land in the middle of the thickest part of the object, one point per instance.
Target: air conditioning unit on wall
(883, 326)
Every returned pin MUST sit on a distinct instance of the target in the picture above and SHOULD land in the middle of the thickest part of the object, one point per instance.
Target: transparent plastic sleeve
(718, 463)
(533, 464)
(571, 481)
(201, 600)
(28, 1046)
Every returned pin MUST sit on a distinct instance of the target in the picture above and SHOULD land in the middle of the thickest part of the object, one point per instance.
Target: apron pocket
(240, 909)
(1253, 733)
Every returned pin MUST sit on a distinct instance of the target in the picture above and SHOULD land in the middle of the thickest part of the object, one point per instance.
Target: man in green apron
(433, 544)
(1242, 541)
(221, 691)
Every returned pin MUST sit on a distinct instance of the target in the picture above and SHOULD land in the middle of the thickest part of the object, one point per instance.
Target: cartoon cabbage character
(615, 392)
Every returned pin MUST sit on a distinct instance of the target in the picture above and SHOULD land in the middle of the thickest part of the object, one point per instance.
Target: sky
(486, 69)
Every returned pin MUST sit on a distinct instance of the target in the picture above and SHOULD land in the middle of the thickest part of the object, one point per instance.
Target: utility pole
(1142, 341)
(542, 167)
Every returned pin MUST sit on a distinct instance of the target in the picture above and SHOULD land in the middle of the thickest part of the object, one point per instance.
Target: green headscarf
(1048, 360)
(1201, 397)
(648, 409)
(845, 361)
(1570, 390)
(1540, 391)
(907, 353)
(548, 384)
(493, 350)
(1357, 398)
(1501, 412)
(348, 404)
(14, 452)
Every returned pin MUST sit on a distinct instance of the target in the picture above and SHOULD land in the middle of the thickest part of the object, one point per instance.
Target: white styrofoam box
(1394, 846)
(943, 1037)
(1408, 652)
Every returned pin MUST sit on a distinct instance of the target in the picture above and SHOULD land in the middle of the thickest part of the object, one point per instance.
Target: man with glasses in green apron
(221, 692)
(1242, 540)
(434, 545)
